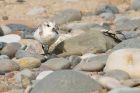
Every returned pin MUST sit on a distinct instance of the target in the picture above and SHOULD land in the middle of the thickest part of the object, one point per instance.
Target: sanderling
(47, 34)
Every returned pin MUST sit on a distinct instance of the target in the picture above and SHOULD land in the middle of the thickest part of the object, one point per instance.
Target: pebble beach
(98, 48)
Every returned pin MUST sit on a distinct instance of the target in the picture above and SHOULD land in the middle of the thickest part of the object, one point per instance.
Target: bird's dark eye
(48, 25)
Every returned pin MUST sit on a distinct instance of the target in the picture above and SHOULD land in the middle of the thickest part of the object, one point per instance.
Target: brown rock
(28, 62)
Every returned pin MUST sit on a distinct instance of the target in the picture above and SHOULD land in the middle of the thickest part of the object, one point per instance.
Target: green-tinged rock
(66, 81)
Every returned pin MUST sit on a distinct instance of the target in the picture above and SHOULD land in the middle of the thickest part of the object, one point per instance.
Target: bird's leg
(45, 48)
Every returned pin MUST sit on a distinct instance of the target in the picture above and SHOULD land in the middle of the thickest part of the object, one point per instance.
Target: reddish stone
(3, 89)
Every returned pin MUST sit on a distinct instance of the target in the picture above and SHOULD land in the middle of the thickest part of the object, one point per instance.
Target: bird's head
(50, 26)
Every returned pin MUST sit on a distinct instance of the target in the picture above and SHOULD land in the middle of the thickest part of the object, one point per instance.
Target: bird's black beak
(55, 30)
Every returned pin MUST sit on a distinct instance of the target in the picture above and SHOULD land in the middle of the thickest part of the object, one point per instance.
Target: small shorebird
(47, 34)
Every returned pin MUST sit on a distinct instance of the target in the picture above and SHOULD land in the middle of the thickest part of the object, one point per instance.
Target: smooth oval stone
(20, 27)
(44, 67)
(33, 46)
(118, 74)
(128, 35)
(89, 66)
(82, 25)
(66, 81)
(102, 58)
(28, 62)
(23, 53)
(25, 72)
(127, 60)
(8, 65)
(129, 25)
(130, 43)
(107, 16)
(10, 38)
(109, 83)
(106, 8)
(92, 41)
(58, 63)
(10, 49)
(92, 66)
(66, 16)
(120, 19)
(95, 63)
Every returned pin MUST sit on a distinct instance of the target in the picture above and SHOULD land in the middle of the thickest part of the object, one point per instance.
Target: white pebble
(43, 74)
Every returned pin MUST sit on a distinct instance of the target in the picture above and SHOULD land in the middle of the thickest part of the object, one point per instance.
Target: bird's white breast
(47, 37)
